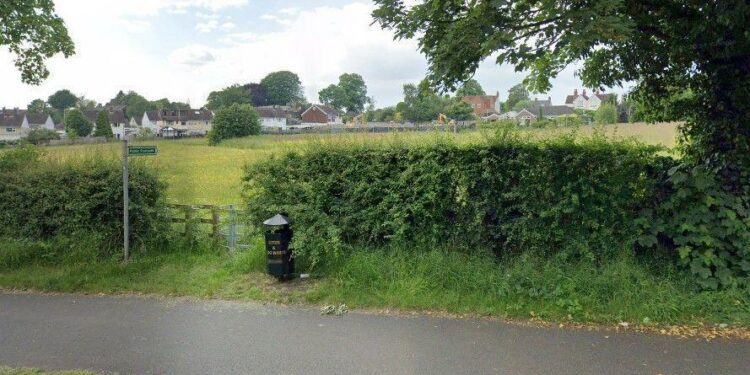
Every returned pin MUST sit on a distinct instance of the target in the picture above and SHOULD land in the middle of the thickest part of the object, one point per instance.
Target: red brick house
(321, 114)
(484, 104)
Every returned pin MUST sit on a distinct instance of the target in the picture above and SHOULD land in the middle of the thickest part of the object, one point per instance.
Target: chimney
(584, 92)
(549, 99)
(575, 92)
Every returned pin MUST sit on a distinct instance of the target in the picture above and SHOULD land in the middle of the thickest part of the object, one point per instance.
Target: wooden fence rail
(189, 221)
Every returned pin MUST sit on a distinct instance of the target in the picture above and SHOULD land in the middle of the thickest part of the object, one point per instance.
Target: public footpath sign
(142, 150)
(128, 151)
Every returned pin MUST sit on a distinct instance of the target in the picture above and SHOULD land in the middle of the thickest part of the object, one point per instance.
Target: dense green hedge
(41, 198)
(560, 196)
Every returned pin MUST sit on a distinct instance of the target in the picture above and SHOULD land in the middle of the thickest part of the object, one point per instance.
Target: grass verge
(622, 290)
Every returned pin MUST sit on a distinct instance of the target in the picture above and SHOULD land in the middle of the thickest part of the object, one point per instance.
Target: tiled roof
(330, 111)
(12, 118)
(37, 118)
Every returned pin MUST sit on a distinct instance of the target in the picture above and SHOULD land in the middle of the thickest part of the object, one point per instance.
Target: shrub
(508, 196)
(103, 128)
(237, 120)
(76, 124)
(606, 114)
(42, 199)
(707, 227)
(38, 136)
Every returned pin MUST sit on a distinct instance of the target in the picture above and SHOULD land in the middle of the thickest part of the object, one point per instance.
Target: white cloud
(319, 44)
(238, 38)
(193, 55)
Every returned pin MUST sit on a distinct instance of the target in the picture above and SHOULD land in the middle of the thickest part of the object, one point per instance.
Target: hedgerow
(42, 199)
(550, 197)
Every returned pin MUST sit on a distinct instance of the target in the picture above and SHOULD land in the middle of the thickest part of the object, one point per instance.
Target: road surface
(134, 335)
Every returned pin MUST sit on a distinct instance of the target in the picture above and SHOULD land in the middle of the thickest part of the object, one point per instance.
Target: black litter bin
(279, 256)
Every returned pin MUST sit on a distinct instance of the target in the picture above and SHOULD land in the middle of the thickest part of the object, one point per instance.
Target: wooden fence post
(215, 222)
(188, 223)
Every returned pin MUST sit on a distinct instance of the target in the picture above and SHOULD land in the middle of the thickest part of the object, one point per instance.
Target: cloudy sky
(184, 49)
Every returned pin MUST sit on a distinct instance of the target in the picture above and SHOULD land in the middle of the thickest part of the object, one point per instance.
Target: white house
(272, 117)
(118, 121)
(40, 121)
(13, 124)
(583, 101)
(178, 122)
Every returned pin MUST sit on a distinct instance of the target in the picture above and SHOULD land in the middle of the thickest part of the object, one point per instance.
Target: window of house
(183, 123)
(10, 130)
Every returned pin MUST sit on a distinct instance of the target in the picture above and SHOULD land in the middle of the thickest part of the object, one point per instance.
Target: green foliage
(62, 100)
(258, 94)
(707, 227)
(227, 96)
(350, 94)
(103, 127)
(419, 105)
(135, 102)
(606, 114)
(282, 88)
(39, 136)
(165, 103)
(522, 104)
(38, 106)
(76, 124)
(560, 196)
(41, 199)
(386, 114)
(516, 94)
(33, 33)
(459, 110)
(237, 120)
(617, 41)
(469, 88)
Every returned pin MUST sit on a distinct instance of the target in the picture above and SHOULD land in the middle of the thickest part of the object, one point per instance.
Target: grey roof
(271, 112)
(551, 111)
(278, 220)
(12, 118)
(330, 111)
(37, 118)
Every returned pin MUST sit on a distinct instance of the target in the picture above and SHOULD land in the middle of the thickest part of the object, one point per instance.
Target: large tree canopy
(662, 46)
(227, 96)
(62, 100)
(469, 88)
(350, 94)
(282, 88)
(33, 32)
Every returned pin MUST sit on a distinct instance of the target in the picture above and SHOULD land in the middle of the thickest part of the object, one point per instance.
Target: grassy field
(201, 174)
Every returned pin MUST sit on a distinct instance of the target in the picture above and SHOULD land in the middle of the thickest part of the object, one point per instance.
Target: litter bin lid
(278, 220)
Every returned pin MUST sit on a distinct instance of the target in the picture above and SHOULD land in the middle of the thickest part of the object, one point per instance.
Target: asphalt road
(133, 335)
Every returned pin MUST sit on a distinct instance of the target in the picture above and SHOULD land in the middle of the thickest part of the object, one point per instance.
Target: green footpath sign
(142, 150)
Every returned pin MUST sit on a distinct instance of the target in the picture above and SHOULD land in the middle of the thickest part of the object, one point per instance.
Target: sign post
(128, 151)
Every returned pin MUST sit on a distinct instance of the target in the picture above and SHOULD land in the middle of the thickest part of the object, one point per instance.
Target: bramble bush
(707, 227)
(508, 196)
(42, 199)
